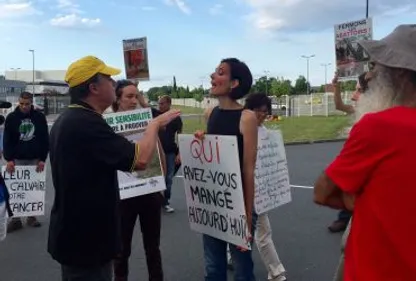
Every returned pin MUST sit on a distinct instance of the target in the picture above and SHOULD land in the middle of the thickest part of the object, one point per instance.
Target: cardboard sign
(132, 125)
(351, 59)
(136, 59)
(27, 190)
(213, 187)
(271, 174)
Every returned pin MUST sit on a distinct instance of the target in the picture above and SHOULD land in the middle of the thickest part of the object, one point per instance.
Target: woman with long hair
(147, 207)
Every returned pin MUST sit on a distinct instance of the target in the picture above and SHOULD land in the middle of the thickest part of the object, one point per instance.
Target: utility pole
(366, 9)
(33, 73)
(308, 90)
(267, 81)
(325, 65)
(307, 72)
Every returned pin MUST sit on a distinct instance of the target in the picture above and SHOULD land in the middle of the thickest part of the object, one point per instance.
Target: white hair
(381, 94)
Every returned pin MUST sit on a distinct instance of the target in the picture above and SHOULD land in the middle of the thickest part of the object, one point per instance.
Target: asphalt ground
(308, 251)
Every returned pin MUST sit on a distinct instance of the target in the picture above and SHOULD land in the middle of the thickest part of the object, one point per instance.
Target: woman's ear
(234, 83)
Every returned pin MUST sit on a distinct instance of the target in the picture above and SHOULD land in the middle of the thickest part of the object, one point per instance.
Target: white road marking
(292, 185)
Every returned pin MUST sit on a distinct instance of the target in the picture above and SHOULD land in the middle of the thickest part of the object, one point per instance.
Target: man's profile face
(25, 105)
(164, 105)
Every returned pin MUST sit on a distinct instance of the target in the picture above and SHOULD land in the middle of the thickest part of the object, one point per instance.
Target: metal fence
(56, 104)
(317, 104)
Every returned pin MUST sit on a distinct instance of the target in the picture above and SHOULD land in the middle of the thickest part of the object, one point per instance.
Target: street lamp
(366, 9)
(15, 72)
(267, 81)
(307, 72)
(33, 73)
(325, 65)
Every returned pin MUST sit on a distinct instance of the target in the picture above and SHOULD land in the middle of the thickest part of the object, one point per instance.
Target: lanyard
(83, 107)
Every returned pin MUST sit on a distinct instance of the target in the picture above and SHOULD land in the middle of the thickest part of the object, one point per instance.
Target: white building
(44, 80)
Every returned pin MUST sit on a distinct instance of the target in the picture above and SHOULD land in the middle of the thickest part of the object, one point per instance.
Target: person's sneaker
(14, 224)
(168, 209)
(33, 222)
(338, 226)
(281, 277)
(230, 265)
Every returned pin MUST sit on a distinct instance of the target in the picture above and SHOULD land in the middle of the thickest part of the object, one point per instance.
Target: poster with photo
(351, 59)
(136, 60)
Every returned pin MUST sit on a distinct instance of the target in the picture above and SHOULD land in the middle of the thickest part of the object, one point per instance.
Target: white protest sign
(271, 174)
(132, 125)
(213, 187)
(27, 191)
(3, 221)
(129, 121)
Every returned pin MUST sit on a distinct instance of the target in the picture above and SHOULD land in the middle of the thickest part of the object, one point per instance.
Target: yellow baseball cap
(85, 68)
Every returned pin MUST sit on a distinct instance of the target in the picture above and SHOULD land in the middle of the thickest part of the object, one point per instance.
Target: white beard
(380, 96)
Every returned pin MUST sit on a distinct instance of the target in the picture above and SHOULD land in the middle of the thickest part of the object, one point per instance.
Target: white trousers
(267, 250)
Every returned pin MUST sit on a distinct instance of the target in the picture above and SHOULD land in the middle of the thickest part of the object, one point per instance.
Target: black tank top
(227, 122)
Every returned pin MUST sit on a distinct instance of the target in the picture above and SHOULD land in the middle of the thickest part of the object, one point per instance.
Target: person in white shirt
(262, 106)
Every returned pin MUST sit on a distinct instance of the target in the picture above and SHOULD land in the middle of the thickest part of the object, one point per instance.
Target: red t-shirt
(378, 162)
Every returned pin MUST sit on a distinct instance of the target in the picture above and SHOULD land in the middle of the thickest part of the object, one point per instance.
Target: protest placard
(132, 124)
(351, 59)
(213, 187)
(136, 59)
(271, 174)
(27, 190)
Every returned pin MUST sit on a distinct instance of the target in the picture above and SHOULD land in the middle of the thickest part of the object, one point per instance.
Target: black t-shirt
(167, 134)
(85, 155)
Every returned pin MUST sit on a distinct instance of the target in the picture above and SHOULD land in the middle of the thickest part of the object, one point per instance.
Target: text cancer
(27, 207)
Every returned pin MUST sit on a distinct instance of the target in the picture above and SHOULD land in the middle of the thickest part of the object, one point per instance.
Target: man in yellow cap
(85, 155)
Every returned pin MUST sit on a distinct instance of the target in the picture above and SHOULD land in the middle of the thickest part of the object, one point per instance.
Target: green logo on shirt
(26, 130)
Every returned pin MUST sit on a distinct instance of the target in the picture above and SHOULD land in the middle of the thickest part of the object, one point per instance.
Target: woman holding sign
(147, 207)
(230, 82)
(262, 106)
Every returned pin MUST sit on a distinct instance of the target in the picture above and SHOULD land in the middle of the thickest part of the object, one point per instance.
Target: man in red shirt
(374, 173)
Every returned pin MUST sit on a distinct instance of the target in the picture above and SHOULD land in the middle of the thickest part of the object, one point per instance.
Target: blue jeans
(215, 254)
(170, 170)
(344, 215)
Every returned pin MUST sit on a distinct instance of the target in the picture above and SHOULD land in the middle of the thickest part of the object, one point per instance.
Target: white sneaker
(168, 209)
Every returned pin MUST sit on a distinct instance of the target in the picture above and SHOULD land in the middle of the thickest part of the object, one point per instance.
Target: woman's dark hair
(363, 82)
(82, 91)
(257, 100)
(120, 85)
(239, 71)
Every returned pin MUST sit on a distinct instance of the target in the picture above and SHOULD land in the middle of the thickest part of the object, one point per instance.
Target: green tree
(175, 88)
(301, 86)
(199, 97)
